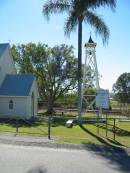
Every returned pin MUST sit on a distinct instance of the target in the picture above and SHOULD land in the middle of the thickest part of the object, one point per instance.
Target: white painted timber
(19, 107)
(6, 65)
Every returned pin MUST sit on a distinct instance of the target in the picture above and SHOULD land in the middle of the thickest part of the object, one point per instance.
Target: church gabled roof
(3, 47)
(17, 85)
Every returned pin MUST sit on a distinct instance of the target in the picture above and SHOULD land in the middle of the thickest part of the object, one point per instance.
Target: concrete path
(26, 154)
(30, 159)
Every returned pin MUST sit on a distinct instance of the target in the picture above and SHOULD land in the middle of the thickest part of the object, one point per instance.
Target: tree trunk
(79, 68)
(50, 105)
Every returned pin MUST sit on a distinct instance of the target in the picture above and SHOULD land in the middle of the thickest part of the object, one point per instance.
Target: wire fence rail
(108, 128)
(23, 126)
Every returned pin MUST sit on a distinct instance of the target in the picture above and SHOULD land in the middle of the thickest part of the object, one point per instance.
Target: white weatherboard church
(18, 92)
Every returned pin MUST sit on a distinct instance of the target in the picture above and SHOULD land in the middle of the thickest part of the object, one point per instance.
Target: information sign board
(102, 99)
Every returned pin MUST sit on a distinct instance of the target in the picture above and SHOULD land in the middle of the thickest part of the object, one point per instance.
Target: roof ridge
(21, 74)
(5, 43)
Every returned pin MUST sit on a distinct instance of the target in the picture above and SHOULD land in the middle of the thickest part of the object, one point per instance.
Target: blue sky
(22, 22)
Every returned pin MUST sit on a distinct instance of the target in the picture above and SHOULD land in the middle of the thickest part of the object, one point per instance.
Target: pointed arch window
(11, 104)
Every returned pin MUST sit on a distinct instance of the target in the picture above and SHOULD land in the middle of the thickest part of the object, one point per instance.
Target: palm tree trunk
(79, 68)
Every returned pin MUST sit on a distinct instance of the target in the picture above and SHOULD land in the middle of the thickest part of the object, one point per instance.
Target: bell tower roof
(90, 43)
(90, 40)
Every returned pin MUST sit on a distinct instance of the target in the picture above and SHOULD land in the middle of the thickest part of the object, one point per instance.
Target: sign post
(102, 102)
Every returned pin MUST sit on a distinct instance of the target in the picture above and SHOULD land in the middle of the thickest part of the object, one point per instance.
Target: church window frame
(11, 105)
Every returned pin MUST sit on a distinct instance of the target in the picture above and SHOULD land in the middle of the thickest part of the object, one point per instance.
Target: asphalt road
(21, 159)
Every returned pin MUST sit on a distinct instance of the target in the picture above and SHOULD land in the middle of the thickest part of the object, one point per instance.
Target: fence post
(16, 127)
(114, 130)
(49, 127)
(98, 123)
(106, 125)
(62, 114)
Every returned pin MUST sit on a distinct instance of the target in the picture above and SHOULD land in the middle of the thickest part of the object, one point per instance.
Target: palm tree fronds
(70, 24)
(98, 3)
(98, 24)
(55, 6)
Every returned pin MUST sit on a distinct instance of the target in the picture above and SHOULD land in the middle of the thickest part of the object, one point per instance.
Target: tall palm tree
(80, 11)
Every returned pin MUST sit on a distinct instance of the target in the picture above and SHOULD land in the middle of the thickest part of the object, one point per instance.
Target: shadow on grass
(16, 126)
(115, 142)
(58, 122)
(55, 121)
(119, 131)
(106, 141)
(122, 132)
(103, 141)
(117, 157)
(22, 123)
(38, 124)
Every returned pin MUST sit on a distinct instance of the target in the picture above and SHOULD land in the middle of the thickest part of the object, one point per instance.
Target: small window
(11, 104)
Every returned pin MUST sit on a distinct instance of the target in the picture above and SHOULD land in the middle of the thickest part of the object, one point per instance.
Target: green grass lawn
(86, 134)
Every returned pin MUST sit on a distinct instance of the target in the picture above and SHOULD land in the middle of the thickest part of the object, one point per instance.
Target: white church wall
(28, 106)
(19, 107)
(34, 90)
(6, 65)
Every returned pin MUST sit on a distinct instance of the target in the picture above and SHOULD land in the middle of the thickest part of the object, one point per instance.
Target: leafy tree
(22, 55)
(121, 88)
(80, 11)
(55, 68)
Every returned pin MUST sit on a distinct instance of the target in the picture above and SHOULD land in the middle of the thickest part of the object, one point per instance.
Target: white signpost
(102, 99)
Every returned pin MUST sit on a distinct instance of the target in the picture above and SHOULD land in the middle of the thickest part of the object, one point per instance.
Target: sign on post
(102, 99)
